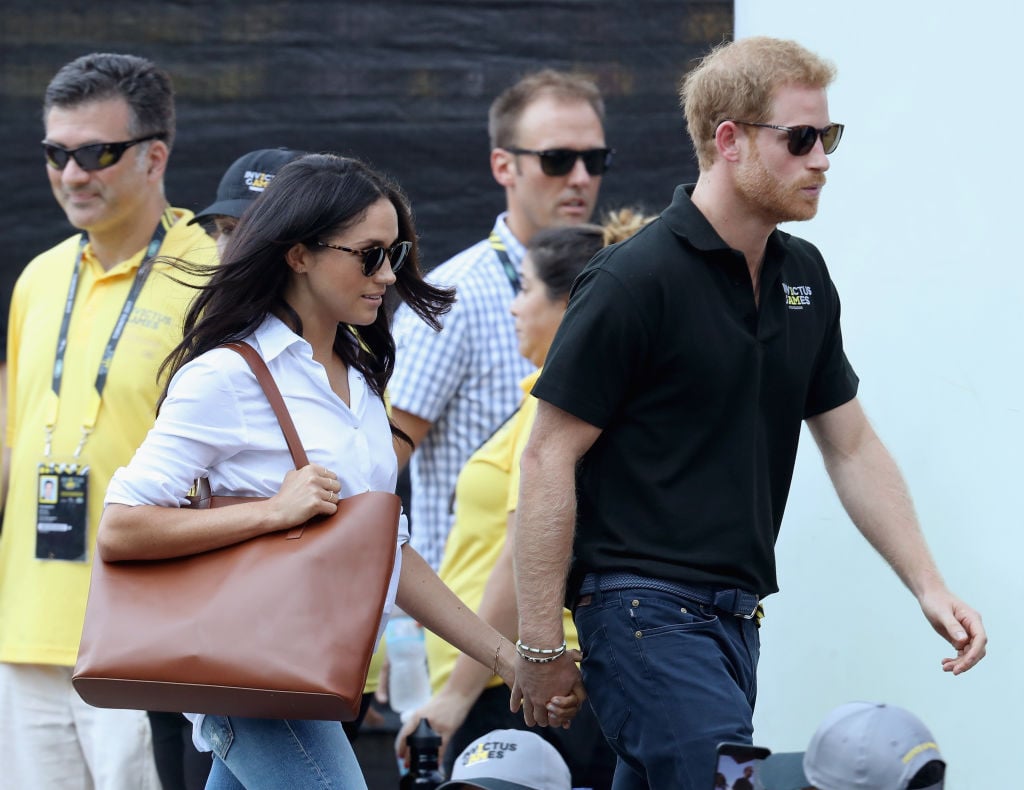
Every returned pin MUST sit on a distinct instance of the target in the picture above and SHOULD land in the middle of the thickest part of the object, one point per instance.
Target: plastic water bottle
(424, 745)
(408, 678)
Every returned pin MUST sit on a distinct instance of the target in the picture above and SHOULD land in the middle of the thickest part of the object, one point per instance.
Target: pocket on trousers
(603, 680)
(654, 612)
(218, 733)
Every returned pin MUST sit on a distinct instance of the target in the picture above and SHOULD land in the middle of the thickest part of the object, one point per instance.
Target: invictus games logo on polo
(151, 319)
(797, 296)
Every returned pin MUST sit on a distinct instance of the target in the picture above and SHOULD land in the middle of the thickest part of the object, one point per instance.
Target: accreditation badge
(61, 514)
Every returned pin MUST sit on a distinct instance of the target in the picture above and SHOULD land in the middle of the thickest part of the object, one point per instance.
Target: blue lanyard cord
(69, 303)
(141, 276)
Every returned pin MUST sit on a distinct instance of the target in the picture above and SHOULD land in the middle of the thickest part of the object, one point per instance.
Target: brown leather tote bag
(280, 626)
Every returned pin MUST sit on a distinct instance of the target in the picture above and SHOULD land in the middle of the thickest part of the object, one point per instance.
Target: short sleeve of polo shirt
(834, 382)
(431, 364)
(603, 339)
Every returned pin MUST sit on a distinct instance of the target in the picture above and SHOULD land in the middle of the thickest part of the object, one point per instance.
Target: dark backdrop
(404, 84)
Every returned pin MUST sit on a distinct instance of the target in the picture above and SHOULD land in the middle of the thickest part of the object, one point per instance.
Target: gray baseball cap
(509, 760)
(861, 745)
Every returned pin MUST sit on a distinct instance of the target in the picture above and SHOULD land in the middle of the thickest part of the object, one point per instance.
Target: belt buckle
(738, 597)
(730, 600)
(753, 611)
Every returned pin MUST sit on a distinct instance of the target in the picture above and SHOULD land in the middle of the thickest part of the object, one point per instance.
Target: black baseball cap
(247, 177)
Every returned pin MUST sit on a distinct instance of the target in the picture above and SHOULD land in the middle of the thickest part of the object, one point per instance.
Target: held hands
(563, 703)
(304, 493)
(958, 624)
(551, 693)
(447, 710)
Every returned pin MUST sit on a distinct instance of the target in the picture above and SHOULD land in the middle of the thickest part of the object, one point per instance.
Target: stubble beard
(771, 198)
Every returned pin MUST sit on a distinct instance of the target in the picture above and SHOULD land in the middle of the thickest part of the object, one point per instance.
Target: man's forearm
(543, 544)
(875, 495)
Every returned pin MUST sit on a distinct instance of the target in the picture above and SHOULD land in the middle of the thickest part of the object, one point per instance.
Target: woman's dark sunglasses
(373, 257)
(96, 156)
(561, 161)
(801, 139)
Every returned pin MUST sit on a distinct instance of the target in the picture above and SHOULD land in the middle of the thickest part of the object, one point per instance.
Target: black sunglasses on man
(95, 156)
(801, 139)
(561, 161)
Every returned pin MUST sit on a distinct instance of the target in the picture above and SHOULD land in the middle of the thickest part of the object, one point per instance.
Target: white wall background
(921, 224)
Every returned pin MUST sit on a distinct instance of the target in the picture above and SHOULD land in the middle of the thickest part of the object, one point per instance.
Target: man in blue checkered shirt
(452, 389)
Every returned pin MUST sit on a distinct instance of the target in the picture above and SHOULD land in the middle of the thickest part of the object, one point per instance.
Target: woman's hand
(562, 710)
(304, 493)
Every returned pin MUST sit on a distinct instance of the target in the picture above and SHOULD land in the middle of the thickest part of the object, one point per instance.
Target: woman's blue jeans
(269, 753)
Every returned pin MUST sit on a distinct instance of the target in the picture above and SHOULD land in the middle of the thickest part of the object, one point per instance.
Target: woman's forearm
(152, 532)
(423, 596)
(497, 608)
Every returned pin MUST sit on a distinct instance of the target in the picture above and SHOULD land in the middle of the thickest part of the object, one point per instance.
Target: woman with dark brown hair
(303, 281)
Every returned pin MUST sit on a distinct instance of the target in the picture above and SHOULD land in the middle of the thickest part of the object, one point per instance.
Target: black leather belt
(734, 601)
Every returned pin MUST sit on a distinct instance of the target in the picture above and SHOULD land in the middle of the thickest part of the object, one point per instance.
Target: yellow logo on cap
(918, 749)
(258, 181)
(479, 755)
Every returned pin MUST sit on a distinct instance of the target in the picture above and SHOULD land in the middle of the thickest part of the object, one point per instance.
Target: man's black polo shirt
(700, 395)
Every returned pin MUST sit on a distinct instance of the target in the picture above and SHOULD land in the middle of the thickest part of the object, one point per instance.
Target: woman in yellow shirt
(468, 701)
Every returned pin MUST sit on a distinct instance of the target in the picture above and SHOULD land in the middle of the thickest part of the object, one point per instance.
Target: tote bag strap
(284, 418)
(262, 372)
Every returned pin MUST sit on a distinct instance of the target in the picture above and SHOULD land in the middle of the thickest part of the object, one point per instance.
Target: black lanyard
(141, 276)
(510, 271)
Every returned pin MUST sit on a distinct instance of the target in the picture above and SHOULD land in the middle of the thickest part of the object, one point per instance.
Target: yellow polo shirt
(42, 602)
(486, 492)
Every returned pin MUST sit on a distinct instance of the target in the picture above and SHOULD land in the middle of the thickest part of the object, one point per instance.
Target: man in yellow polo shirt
(91, 321)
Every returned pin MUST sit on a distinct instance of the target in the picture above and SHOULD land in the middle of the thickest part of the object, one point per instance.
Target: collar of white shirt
(273, 336)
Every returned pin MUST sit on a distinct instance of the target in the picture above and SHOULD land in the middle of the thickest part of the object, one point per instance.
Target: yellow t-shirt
(486, 492)
(42, 602)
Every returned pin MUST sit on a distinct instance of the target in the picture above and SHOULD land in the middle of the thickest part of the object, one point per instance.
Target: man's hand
(958, 624)
(538, 685)
(875, 495)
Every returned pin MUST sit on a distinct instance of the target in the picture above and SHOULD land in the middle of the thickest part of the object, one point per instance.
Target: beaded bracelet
(540, 651)
(546, 660)
(546, 655)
